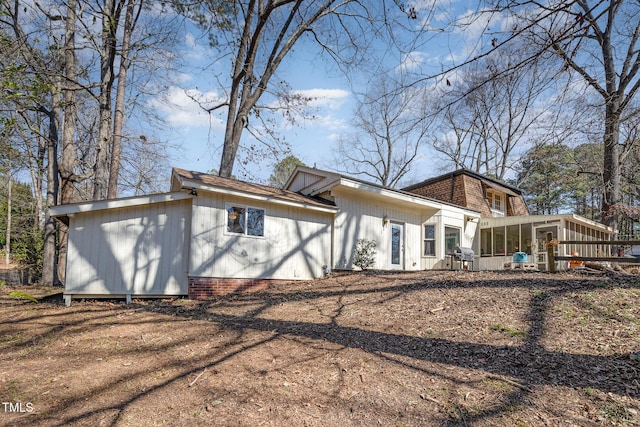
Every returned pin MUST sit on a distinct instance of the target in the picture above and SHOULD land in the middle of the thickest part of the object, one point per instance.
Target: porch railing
(552, 257)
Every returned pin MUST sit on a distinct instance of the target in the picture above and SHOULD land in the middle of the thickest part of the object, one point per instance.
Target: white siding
(303, 180)
(449, 216)
(296, 242)
(361, 217)
(138, 250)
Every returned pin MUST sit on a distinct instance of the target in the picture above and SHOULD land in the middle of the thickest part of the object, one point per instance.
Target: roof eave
(187, 183)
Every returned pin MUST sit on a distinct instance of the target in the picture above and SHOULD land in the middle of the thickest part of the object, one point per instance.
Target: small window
(429, 240)
(496, 202)
(247, 221)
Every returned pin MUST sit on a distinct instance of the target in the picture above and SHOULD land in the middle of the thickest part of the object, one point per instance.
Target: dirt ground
(435, 348)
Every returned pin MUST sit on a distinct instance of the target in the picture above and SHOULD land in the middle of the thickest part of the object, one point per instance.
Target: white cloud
(194, 51)
(332, 99)
(185, 107)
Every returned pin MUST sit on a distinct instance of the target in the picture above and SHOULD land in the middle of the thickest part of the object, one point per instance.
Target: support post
(551, 261)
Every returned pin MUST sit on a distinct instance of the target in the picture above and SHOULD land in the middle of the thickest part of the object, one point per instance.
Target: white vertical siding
(361, 217)
(138, 250)
(303, 180)
(296, 242)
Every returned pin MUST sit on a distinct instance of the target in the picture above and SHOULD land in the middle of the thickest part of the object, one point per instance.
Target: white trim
(401, 255)
(228, 205)
(404, 197)
(271, 199)
(70, 209)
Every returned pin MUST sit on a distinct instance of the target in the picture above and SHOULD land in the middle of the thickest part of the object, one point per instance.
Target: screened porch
(501, 237)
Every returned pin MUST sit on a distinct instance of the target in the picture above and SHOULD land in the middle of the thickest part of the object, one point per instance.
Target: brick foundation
(206, 287)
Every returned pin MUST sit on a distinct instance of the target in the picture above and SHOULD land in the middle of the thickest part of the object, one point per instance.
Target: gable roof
(490, 182)
(184, 179)
(326, 180)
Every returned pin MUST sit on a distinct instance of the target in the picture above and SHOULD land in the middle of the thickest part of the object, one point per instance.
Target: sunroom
(501, 237)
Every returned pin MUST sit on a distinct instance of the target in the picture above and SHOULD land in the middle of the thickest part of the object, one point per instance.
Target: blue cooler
(520, 257)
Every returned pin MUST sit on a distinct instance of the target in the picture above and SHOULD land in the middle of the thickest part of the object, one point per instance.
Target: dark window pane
(429, 231)
(396, 234)
(498, 241)
(235, 219)
(255, 222)
(429, 248)
(486, 243)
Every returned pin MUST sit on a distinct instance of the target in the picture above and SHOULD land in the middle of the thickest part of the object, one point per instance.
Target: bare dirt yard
(405, 349)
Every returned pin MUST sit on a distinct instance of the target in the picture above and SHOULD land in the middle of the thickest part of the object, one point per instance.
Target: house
(413, 232)
(211, 235)
(492, 198)
(506, 226)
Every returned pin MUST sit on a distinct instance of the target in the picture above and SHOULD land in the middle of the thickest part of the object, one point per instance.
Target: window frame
(497, 202)
(245, 231)
(424, 240)
(459, 234)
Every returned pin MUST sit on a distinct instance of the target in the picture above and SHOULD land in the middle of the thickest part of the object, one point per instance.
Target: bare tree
(131, 18)
(599, 42)
(391, 128)
(259, 35)
(492, 111)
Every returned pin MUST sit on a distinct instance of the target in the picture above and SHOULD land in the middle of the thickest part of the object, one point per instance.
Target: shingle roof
(476, 175)
(215, 181)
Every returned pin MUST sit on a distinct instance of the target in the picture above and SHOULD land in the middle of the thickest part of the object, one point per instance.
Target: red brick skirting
(207, 287)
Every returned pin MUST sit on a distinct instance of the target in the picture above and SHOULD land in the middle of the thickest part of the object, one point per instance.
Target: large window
(246, 221)
(451, 239)
(486, 242)
(513, 239)
(498, 241)
(429, 240)
(525, 239)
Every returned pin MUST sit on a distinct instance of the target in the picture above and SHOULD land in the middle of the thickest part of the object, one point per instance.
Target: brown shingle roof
(215, 181)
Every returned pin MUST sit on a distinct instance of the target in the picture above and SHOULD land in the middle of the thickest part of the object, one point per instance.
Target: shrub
(364, 254)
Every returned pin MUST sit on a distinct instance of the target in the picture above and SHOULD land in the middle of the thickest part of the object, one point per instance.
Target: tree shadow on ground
(525, 366)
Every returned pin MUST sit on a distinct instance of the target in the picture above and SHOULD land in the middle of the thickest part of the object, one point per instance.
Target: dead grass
(427, 348)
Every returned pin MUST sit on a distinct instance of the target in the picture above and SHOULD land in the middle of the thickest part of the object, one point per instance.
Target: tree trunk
(110, 19)
(118, 119)
(611, 172)
(7, 246)
(69, 116)
(49, 267)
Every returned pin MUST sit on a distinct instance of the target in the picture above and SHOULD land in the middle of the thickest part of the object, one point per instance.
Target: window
(513, 239)
(497, 202)
(247, 221)
(498, 241)
(451, 239)
(486, 242)
(429, 240)
(526, 239)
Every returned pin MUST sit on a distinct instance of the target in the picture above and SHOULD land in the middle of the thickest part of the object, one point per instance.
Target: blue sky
(313, 141)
